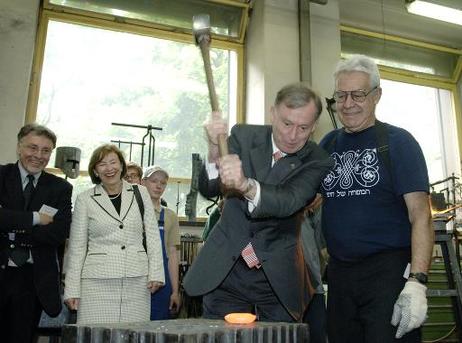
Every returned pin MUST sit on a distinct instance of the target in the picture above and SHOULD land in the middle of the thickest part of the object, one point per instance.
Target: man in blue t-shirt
(376, 218)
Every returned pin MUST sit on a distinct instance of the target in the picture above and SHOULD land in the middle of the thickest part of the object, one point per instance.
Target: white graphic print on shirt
(353, 169)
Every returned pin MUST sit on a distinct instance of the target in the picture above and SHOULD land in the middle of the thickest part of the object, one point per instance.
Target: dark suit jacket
(271, 227)
(42, 240)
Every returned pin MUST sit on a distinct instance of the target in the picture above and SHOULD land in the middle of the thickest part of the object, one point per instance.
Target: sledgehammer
(201, 31)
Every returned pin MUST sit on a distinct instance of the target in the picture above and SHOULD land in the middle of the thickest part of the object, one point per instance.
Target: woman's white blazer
(105, 244)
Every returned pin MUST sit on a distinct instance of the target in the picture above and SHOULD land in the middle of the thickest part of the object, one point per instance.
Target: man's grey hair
(361, 63)
(37, 130)
(296, 95)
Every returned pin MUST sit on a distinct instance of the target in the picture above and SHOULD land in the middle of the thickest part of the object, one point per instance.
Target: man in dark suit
(253, 261)
(35, 215)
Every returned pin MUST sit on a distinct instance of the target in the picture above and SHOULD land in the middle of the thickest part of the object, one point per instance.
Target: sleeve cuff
(253, 203)
(35, 218)
(212, 170)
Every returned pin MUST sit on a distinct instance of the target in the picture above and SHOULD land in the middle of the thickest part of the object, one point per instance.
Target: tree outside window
(92, 77)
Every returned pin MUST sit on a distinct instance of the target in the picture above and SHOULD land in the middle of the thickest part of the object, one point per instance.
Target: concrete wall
(18, 23)
(325, 53)
(272, 55)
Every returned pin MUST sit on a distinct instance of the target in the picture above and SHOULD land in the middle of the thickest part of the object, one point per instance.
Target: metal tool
(201, 31)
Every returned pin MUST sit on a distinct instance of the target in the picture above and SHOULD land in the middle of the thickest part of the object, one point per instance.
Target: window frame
(421, 79)
(80, 19)
(106, 23)
(408, 77)
(244, 6)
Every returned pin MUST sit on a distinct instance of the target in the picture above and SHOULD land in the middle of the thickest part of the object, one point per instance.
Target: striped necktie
(277, 156)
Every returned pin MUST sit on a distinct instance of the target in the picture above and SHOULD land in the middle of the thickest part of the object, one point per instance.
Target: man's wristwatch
(420, 277)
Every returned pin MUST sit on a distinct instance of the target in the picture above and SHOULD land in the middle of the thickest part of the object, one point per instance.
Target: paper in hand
(48, 210)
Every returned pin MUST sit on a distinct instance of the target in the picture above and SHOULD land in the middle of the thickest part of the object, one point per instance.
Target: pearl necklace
(113, 197)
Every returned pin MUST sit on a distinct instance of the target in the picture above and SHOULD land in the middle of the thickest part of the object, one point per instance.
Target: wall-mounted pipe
(304, 42)
(304, 29)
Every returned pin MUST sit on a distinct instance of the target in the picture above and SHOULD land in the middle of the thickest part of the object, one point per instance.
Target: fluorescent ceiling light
(439, 12)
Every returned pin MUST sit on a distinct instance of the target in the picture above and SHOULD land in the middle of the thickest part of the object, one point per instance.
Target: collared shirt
(275, 149)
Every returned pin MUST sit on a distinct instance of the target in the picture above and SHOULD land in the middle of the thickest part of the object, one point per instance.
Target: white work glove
(410, 309)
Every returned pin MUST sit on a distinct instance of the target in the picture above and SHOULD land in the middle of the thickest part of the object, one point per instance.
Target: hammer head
(201, 28)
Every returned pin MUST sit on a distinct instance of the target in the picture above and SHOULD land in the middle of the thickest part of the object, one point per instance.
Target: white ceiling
(391, 17)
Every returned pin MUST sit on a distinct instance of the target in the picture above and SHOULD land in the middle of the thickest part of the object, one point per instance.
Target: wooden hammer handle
(204, 46)
(209, 75)
(223, 145)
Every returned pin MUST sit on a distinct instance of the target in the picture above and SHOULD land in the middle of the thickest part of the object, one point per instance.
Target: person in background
(110, 274)
(315, 254)
(212, 219)
(35, 216)
(376, 218)
(134, 173)
(166, 302)
(252, 260)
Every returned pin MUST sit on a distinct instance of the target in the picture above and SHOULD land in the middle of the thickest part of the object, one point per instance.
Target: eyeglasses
(357, 96)
(134, 176)
(35, 149)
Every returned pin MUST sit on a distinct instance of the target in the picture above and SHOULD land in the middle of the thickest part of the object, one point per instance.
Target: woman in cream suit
(110, 274)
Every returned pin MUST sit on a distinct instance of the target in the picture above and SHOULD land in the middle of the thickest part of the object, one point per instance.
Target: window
(400, 55)
(419, 84)
(426, 112)
(92, 77)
